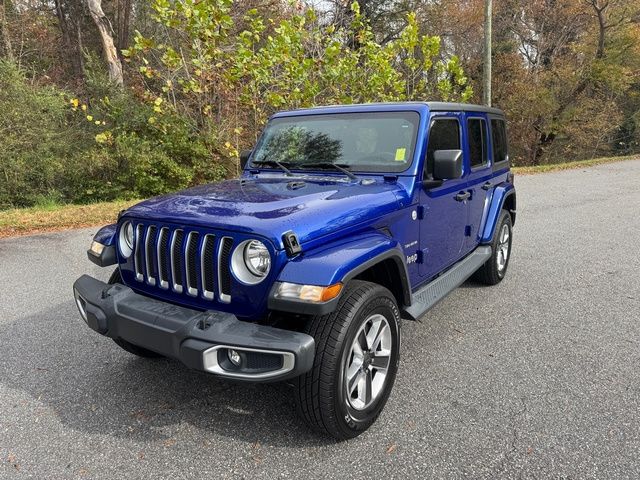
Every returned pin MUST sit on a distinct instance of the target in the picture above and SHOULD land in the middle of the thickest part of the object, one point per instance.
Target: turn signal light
(308, 293)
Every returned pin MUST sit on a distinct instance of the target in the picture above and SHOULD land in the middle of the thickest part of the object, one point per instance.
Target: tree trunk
(110, 52)
(4, 32)
(602, 26)
(80, 47)
(69, 48)
(124, 18)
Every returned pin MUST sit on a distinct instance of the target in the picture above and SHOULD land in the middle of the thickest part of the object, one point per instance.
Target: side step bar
(427, 296)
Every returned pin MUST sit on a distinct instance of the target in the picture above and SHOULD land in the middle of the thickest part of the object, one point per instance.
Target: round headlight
(257, 258)
(126, 239)
(251, 262)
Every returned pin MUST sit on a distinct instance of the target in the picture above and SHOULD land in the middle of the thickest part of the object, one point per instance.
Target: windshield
(365, 142)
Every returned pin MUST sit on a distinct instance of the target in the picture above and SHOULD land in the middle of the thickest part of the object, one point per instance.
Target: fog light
(234, 357)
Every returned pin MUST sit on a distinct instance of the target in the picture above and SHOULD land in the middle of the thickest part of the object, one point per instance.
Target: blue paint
(263, 204)
(246, 300)
(490, 218)
(331, 263)
(106, 235)
(340, 223)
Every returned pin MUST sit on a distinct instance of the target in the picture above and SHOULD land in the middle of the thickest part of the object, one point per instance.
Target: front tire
(116, 277)
(356, 361)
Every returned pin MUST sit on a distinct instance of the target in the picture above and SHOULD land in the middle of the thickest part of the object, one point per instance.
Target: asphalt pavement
(537, 377)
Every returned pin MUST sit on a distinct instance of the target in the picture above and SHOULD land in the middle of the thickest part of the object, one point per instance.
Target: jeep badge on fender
(345, 220)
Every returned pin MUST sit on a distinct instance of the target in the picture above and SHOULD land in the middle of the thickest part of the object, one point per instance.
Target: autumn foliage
(201, 78)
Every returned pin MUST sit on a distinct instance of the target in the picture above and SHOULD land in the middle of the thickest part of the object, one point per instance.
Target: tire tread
(314, 392)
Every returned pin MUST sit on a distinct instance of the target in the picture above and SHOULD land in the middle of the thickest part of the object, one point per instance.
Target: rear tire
(130, 347)
(494, 270)
(356, 361)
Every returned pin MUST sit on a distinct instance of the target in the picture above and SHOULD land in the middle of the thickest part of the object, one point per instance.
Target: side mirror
(447, 164)
(244, 157)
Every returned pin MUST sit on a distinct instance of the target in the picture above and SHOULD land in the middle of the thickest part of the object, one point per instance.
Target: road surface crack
(511, 450)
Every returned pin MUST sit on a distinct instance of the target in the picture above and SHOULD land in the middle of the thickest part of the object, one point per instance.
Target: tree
(229, 84)
(6, 47)
(105, 30)
(123, 19)
(69, 13)
(386, 17)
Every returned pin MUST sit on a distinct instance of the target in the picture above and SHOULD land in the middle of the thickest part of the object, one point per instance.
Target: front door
(443, 214)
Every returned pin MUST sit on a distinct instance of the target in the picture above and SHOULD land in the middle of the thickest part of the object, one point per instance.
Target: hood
(269, 207)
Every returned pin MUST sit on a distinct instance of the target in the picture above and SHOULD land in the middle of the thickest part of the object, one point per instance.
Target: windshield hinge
(291, 243)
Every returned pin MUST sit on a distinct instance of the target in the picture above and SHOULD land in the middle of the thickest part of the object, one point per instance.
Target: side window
(477, 136)
(499, 138)
(444, 134)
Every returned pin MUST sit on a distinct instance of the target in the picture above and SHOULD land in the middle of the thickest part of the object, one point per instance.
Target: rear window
(477, 135)
(499, 139)
(444, 134)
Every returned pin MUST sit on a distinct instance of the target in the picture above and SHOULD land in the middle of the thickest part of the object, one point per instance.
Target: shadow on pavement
(93, 386)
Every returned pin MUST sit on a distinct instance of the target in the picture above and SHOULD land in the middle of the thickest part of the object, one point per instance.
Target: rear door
(478, 153)
(443, 218)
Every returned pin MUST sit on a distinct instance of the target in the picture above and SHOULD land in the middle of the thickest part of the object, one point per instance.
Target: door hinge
(467, 230)
(420, 212)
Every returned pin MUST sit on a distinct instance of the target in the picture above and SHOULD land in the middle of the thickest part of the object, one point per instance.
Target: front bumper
(200, 340)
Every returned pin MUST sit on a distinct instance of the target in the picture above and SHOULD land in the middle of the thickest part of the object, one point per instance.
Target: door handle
(487, 186)
(462, 196)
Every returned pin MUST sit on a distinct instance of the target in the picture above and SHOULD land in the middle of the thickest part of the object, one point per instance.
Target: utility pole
(486, 71)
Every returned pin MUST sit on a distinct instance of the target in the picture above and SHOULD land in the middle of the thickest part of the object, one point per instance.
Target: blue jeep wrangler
(345, 220)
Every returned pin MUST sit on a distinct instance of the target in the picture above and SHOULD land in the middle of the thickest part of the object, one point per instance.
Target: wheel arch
(509, 204)
(106, 235)
(503, 198)
(373, 257)
(106, 255)
(388, 271)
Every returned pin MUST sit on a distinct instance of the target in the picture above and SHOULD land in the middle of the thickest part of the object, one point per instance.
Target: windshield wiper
(338, 166)
(280, 165)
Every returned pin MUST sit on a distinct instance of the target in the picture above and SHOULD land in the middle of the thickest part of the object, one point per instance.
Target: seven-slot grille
(185, 261)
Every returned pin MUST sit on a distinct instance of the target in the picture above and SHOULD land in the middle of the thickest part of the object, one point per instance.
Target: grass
(554, 167)
(49, 216)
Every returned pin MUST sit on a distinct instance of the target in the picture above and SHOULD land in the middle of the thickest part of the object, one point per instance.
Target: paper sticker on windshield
(400, 154)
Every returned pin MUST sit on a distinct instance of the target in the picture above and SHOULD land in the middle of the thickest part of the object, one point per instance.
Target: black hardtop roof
(433, 106)
(462, 107)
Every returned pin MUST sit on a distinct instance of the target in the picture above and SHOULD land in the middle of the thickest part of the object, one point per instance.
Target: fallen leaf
(392, 448)
(11, 458)
(169, 442)
(140, 415)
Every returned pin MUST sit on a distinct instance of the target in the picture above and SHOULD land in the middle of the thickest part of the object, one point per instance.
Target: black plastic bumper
(198, 339)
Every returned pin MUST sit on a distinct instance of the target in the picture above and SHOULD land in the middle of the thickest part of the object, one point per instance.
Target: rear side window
(444, 134)
(477, 135)
(499, 138)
